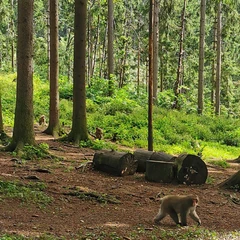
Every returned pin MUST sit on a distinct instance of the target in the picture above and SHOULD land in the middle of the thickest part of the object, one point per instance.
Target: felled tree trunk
(142, 156)
(163, 167)
(232, 183)
(157, 171)
(191, 169)
(115, 163)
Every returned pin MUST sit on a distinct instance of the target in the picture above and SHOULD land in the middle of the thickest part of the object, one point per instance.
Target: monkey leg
(159, 217)
(174, 216)
(195, 217)
(183, 217)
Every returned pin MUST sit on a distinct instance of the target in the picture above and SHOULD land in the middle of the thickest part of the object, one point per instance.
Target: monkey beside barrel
(178, 208)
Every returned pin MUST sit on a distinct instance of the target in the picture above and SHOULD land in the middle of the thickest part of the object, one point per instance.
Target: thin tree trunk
(53, 127)
(150, 83)
(155, 52)
(178, 82)
(110, 47)
(219, 58)
(1, 116)
(48, 39)
(201, 57)
(213, 95)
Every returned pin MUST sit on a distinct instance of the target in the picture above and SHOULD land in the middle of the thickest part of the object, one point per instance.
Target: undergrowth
(27, 193)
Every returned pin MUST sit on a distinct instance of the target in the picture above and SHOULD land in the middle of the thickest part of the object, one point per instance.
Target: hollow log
(115, 163)
(191, 169)
(160, 171)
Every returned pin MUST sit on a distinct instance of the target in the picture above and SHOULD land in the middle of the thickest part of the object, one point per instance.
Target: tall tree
(201, 56)
(179, 81)
(79, 120)
(150, 83)
(110, 46)
(53, 126)
(23, 131)
(219, 57)
(155, 51)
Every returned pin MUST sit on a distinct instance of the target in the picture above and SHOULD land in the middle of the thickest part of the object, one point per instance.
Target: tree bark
(150, 81)
(178, 82)
(23, 131)
(219, 58)
(53, 127)
(232, 183)
(115, 163)
(201, 57)
(157, 171)
(79, 123)
(110, 47)
(155, 52)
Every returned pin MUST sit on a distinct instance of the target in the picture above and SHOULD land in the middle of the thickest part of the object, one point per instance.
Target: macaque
(42, 120)
(178, 206)
(99, 133)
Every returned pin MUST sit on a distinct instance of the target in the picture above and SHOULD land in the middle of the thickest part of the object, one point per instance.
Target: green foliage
(29, 193)
(220, 163)
(30, 152)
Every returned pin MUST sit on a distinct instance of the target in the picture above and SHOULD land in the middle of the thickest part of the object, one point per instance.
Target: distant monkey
(42, 120)
(178, 206)
(99, 133)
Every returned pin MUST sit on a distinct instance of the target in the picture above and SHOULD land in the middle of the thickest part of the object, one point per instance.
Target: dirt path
(71, 216)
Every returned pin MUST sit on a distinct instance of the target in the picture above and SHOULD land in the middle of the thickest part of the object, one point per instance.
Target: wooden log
(142, 156)
(160, 171)
(115, 163)
(191, 169)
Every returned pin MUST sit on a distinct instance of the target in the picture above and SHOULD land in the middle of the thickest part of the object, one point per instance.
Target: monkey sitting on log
(42, 120)
(175, 205)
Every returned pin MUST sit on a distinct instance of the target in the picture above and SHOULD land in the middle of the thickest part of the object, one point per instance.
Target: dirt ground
(69, 216)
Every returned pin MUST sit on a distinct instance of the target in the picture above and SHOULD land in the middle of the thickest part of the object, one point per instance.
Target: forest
(79, 78)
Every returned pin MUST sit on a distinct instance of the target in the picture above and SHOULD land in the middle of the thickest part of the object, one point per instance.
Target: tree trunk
(23, 131)
(155, 52)
(219, 58)
(150, 81)
(157, 171)
(142, 156)
(232, 183)
(1, 116)
(110, 47)
(53, 127)
(115, 163)
(79, 123)
(178, 82)
(213, 77)
(201, 57)
(191, 169)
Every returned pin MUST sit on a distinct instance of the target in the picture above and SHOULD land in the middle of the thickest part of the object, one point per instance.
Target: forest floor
(69, 216)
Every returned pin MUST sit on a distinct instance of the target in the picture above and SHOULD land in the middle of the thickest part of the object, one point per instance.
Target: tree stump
(232, 183)
(115, 163)
(191, 169)
(160, 171)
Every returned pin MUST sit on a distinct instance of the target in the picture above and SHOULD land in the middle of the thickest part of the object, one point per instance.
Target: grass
(27, 193)
(190, 233)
